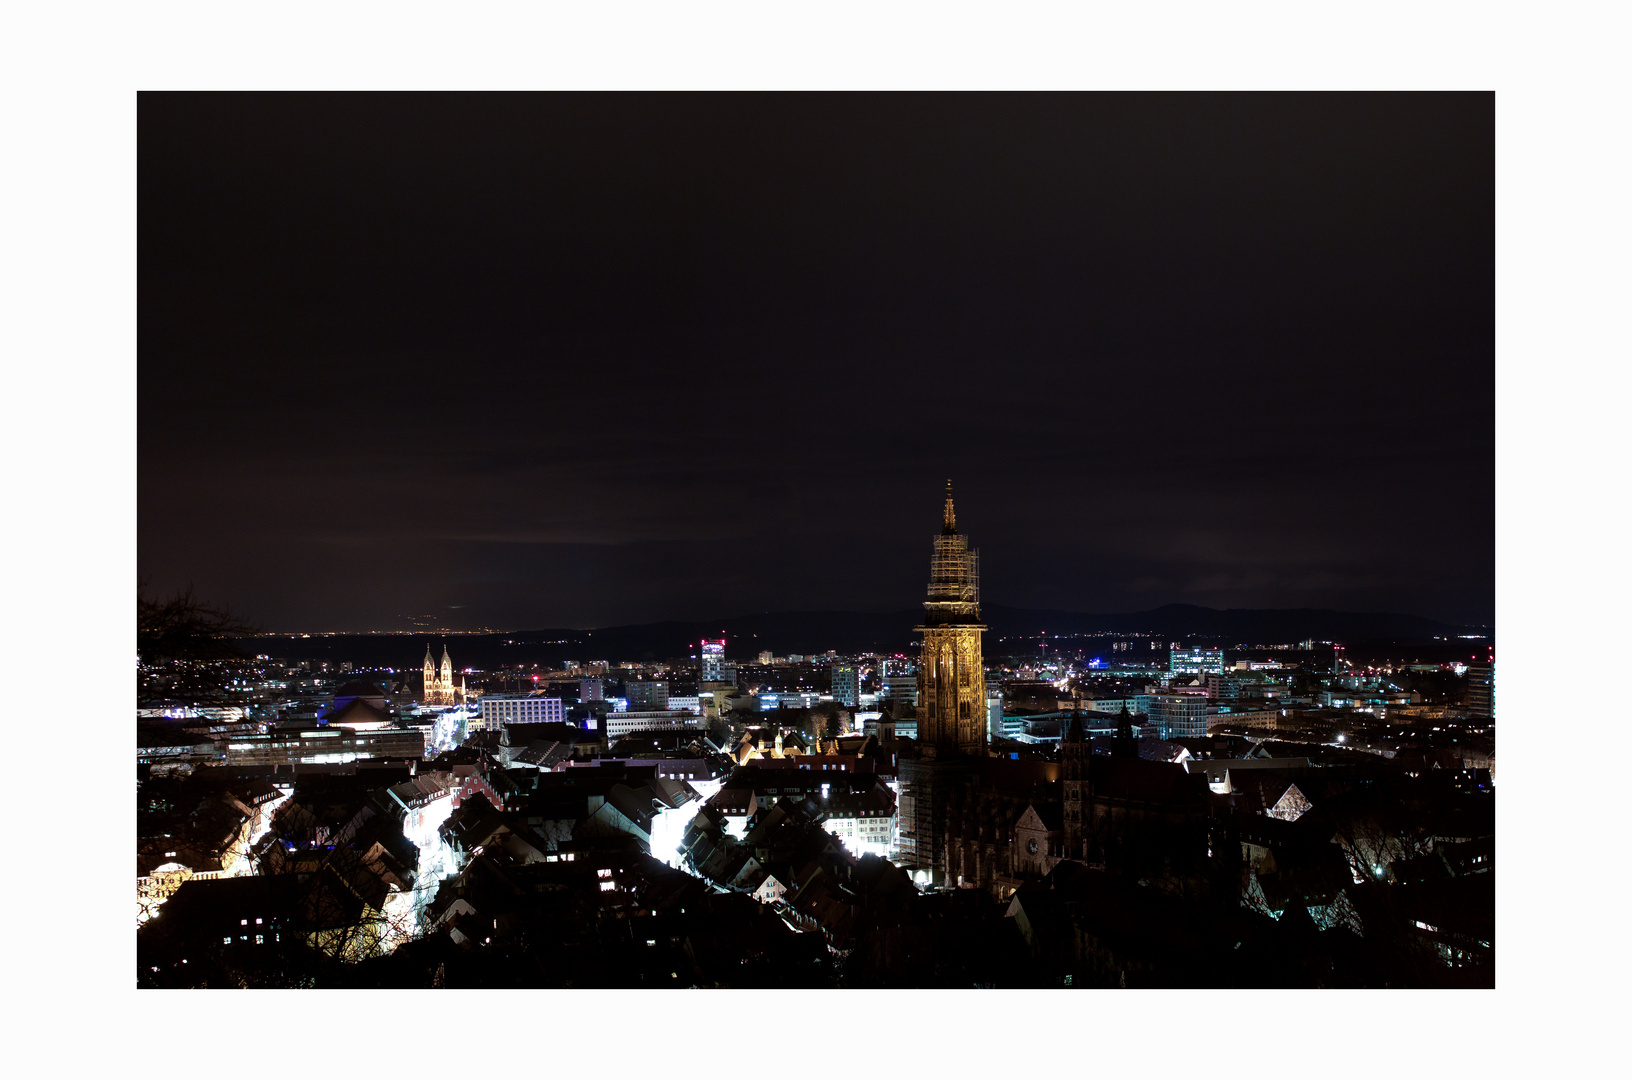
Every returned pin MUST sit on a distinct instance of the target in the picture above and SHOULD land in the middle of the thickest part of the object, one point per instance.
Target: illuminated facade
(951, 675)
(713, 653)
(1179, 716)
(501, 709)
(623, 722)
(323, 746)
(439, 685)
(950, 738)
(1195, 661)
(846, 685)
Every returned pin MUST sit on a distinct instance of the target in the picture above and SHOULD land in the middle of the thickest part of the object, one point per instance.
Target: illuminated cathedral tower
(951, 678)
(439, 686)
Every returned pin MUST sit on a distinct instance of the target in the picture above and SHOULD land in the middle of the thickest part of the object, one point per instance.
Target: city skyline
(581, 361)
(1185, 816)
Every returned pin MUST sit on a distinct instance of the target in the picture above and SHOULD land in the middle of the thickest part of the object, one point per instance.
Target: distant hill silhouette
(809, 632)
(1246, 626)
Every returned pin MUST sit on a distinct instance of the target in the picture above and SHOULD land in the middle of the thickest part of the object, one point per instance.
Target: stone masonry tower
(951, 678)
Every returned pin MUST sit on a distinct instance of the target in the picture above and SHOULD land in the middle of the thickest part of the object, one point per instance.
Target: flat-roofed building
(1178, 716)
(1263, 719)
(621, 723)
(321, 746)
(901, 688)
(1481, 699)
(501, 709)
(647, 694)
(846, 685)
(1195, 661)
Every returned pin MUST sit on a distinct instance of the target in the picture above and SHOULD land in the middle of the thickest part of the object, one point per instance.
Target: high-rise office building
(1195, 661)
(1178, 716)
(1481, 699)
(647, 695)
(846, 685)
(713, 656)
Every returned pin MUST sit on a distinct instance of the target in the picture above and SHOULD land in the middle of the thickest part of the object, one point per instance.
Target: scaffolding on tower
(954, 579)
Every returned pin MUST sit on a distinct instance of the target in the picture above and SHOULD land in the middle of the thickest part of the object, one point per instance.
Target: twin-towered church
(439, 685)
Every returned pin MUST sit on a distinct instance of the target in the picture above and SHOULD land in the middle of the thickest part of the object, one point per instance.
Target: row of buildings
(1207, 825)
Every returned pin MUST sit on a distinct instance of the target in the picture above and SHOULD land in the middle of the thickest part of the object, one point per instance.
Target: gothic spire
(950, 524)
(1073, 729)
(1124, 745)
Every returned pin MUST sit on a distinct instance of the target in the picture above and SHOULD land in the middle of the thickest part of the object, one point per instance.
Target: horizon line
(850, 611)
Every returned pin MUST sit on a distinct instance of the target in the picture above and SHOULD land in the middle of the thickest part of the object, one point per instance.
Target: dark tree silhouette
(185, 628)
(184, 646)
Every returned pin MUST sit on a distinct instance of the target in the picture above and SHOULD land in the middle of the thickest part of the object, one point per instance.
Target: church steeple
(951, 675)
(439, 685)
(1124, 745)
(1073, 730)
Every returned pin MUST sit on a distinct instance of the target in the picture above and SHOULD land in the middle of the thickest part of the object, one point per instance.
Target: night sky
(580, 360)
